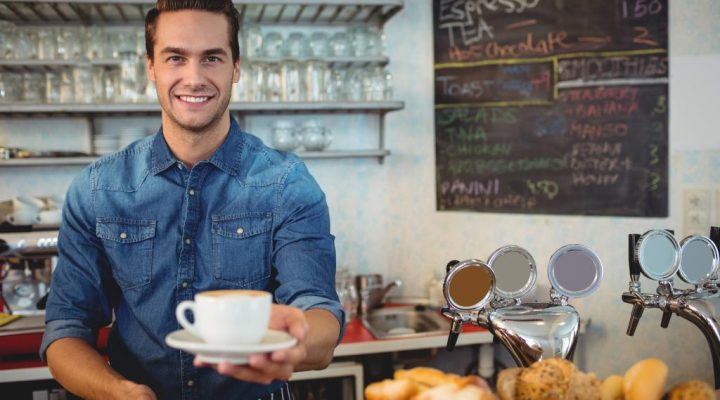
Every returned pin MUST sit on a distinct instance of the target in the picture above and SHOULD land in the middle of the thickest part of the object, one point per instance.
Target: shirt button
(188, 241)
(191, 192)
(190, 383)
(123, 235)
(240, 231)
(179, 165)
(184, 284)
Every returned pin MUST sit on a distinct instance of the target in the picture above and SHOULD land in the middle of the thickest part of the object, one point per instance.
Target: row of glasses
(83, 83)
(311, 81)
(68, 42)
(356, 41)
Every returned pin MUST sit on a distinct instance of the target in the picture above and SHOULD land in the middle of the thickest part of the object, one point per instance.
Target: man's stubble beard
(200, 130)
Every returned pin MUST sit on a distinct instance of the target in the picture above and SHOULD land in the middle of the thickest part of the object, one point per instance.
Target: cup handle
(10, 218)
(180, 315)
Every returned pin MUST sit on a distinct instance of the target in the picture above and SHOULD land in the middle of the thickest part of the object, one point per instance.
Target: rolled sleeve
(63, 328)
(304, 248)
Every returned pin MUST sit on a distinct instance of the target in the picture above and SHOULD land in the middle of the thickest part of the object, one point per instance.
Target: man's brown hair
(224, 7)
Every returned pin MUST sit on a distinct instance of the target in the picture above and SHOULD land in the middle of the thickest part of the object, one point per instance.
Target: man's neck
(191, 147)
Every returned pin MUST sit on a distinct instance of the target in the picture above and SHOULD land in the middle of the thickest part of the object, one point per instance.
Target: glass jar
(33, 87)
(129, 77)
(284, 135)
(7, 39)
(10, 87)
(315, 86)
(26, 44)
(47, 44)
(70, 43)
(83, 84)
(52, 87)
(252, 41)
(319, 44)
(272, 45)
(292, 78)
(273, 85)
(296, 46)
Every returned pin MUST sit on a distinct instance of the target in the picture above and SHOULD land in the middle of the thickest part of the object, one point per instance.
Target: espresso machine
(489, 295)
(657, 255)
(25, 274)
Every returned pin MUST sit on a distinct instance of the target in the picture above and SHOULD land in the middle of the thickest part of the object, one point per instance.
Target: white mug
(26, 203)
(228, 317)
(23, 217)
(50, 217)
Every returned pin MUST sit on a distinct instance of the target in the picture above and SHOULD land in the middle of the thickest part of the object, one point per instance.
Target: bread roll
(612, 388)
(584, 387)
(645, 380)
(507, 382)
(391, 389)
(542, 381)
(428, 377)
(450, 391)
(692, 390)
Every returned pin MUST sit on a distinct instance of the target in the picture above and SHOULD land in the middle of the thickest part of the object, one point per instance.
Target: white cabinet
(111, 14)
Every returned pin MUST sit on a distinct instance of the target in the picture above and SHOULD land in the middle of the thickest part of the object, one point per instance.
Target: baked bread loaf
(692, 390)
(612, 388)
(450, 391)
(427, 377)
(645, 380)
(584, 386)
(542, 381)
(391, 389)
(507, 383)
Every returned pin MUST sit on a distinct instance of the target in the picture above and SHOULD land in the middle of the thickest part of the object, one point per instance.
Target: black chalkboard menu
(552, 106)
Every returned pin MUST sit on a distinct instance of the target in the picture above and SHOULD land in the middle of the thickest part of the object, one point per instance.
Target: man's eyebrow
(183, 51)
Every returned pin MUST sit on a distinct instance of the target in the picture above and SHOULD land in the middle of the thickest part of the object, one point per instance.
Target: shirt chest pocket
(241, 249)
(129, 247)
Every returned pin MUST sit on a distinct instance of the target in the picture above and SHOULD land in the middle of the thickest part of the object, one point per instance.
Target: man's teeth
(192, 99)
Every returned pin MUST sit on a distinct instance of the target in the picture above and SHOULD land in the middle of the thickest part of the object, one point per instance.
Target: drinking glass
(26, 43)
(252, 41)
(354, 84)
(296, 46)
(374, 84)
(7, 39)
(70, 43)
(83, 80)
(335, 84)
(339, 45)
(67, 94)
(292, 78)
(273, 87)
(47, 44)
(33, 87)
(272, 45)
(319, 44)
(315, 73)
(52, 87)
(96, 40)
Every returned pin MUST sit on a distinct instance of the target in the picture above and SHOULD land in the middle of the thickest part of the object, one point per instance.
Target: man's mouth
(194, 99)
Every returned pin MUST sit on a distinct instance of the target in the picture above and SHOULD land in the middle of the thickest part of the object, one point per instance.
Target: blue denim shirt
(141, 233)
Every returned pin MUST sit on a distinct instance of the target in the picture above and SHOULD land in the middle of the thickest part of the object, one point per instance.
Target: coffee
(228, 317)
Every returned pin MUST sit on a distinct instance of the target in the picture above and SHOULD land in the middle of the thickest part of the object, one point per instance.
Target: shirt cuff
(311, 302)
(61, 328)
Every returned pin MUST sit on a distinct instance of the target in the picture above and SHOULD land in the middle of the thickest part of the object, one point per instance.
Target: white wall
(385, 219)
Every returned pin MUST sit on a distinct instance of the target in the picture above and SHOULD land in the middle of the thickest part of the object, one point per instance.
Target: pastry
(692, 390)
(612, 388)
(450, 391)
(391, 389)
(584, 387)
(645, 380)
(542, 381)
(507, 382)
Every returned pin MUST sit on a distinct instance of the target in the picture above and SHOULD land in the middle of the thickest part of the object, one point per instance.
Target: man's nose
(194, 74)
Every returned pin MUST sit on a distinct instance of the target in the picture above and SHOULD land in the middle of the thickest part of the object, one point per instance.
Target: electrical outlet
(697, 211)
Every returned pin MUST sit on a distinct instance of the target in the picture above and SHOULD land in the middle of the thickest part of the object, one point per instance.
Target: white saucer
(234, 354)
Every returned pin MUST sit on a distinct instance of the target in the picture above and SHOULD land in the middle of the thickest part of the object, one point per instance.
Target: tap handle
(665, 322)
(633, 262)
(455, 329)
(451, 264)
(635, 315)
(715, 235)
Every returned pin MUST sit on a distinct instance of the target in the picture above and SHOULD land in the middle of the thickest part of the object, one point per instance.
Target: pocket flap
(124, 230)
(240, 226)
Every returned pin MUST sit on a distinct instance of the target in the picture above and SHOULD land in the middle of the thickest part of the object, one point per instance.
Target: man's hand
(264, 368)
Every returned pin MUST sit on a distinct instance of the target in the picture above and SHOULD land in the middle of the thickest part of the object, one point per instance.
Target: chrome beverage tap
(657, 255)
(489, 296)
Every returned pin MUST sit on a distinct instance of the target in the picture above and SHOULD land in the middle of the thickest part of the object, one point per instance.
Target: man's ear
(236, 71)
(150, 68)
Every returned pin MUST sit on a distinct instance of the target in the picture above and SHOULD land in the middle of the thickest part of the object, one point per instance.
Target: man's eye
(213, 59)
(174, 59)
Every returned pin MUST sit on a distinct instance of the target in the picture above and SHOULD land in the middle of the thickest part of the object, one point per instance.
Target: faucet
(691, 304)
(372, 293)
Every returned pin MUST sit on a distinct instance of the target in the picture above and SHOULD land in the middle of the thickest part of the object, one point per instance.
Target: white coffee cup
(23, 217)
(228, 317)
(50, 217)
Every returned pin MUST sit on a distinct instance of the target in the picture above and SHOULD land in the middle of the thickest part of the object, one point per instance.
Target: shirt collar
(227, 157)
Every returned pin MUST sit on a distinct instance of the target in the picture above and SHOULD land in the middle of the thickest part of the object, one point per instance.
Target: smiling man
(199, 206)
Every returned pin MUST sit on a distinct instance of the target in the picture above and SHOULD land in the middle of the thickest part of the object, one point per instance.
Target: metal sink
(404, 323)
